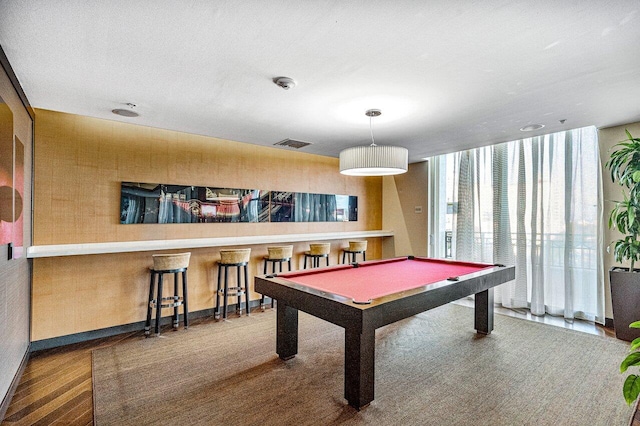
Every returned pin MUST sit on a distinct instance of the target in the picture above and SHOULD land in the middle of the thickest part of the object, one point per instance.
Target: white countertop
(151, 245)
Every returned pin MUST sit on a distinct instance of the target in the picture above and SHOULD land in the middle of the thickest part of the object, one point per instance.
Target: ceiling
(447, 75)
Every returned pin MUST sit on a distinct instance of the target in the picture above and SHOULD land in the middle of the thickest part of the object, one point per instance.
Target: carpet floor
(431, 369)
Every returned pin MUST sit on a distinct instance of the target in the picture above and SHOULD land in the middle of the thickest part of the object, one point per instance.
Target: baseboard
(6, 401)
(608, 322)
(70, 339)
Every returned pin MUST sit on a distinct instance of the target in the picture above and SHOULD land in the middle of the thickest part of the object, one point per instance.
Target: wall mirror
(18, 198)
(6, 173)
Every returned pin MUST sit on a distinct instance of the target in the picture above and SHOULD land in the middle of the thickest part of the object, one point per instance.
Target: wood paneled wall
(79, 164)
(74, 294)
(405, 210)
(14, 274)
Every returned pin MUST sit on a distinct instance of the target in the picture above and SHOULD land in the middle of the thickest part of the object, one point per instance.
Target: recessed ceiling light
(531, 127)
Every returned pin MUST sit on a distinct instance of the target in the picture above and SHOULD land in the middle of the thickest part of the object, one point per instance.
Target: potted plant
(631, 387)
(624, 165)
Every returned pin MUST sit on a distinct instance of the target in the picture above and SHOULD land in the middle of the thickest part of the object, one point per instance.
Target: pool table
(362, 297)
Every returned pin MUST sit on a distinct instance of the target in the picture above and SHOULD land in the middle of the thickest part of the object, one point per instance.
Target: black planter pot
(625, 298)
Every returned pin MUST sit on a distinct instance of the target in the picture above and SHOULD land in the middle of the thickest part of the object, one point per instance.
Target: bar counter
(55, 250)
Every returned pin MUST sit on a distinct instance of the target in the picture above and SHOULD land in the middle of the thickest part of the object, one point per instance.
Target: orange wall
(79, 164)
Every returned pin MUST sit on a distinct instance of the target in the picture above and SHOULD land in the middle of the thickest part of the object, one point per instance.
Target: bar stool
(167, 264)
(230, 258)
(355, 248)
(315, 252)
(277, 254)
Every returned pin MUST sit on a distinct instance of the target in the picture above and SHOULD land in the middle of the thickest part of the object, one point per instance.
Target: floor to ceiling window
(534, 203)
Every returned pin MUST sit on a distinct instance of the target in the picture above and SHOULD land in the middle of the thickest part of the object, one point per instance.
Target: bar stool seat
(355, 248)
(175, 264)
(277, 255)
(316, 252)
(228, 259)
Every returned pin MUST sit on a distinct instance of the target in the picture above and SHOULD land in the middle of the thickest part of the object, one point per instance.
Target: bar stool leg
(238, 292)
(226, 292)
(364, 256)
(274, 271)
(185, 311)
(216, 315)
(159, 304)
(246, 289)
(305, 261)
(289, 268)
(344, 254)
(265, 273)
(326, 258)
(147, 325)
(176, 296)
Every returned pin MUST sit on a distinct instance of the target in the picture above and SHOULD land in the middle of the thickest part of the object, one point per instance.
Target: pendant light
(373, 160)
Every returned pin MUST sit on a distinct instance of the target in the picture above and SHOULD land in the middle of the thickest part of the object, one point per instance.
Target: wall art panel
(163, 203)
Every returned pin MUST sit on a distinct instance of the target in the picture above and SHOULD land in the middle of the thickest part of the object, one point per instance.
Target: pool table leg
(484, 311)
(287, 331)
(359, 362)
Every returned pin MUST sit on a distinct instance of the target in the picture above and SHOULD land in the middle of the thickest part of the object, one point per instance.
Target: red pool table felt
(374, 279)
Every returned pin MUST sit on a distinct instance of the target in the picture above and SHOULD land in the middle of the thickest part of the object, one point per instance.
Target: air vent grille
(292, 143)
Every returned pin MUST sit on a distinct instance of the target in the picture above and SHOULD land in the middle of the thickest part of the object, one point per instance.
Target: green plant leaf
(630, 360)
(635, 324)
(631, 388)
(624, 166)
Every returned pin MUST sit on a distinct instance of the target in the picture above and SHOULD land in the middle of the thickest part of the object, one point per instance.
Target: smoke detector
(126, 112)
(285, 82)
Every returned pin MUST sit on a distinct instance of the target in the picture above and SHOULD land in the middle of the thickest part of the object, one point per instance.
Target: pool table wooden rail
(343, 311)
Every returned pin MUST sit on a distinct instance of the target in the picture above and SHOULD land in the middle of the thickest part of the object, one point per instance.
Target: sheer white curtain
(535, 203)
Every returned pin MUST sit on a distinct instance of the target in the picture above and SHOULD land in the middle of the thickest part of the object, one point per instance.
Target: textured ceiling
(447, 75)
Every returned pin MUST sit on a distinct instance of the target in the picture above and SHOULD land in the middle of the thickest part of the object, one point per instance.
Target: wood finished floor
(56, 386)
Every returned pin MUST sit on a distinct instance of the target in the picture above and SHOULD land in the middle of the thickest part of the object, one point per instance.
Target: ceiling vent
(292, 143)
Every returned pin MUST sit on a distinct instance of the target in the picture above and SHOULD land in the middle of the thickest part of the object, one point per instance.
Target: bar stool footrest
(175, 302)
(233, 291)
